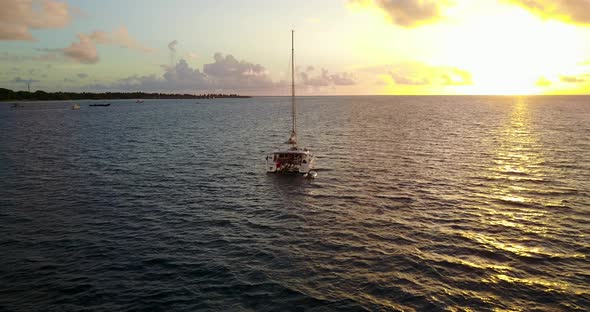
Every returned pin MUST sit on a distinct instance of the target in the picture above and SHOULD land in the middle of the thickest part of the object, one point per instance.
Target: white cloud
(228, 72)
(325, 78)
(225, 73)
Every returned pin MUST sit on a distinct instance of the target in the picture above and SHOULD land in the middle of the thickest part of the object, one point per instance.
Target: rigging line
(293, 107)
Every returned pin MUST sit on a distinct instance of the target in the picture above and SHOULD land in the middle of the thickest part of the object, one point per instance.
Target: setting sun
(507, 51)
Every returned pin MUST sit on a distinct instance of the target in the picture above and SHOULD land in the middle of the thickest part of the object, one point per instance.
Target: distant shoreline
(7, 95)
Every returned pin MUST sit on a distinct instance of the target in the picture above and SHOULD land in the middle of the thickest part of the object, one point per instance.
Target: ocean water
(460, 203)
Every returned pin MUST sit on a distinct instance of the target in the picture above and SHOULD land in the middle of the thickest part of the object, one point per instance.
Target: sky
(342, 47)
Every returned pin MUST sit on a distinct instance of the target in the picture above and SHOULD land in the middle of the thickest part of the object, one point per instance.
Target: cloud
(18, 17)
(343, 79)
(543, 82)
(83, 51)
(225, 73)
(407, 13)
(70, 80)
(82, 75)
(325, 78)
(421, 74)
(229, 65)
(182, 76)
(172, 45)
(569, 11)
(403, 79)
(119, 37)
(575, 79)
(456, 77)
(322, 80)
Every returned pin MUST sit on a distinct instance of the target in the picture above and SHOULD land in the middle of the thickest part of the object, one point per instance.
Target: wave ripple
(422, 204)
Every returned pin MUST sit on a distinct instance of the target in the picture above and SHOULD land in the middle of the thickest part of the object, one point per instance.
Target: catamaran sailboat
(294, 160)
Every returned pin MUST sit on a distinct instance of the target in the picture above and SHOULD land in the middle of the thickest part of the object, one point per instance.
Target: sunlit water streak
(422, 203)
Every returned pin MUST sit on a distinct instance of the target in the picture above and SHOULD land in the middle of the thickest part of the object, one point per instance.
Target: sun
(509, 50)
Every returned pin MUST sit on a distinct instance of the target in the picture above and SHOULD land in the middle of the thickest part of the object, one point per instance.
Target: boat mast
(293, 111)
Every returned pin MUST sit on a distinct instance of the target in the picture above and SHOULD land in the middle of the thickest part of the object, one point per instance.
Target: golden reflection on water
(518, 153)
(516, 165)
(515, 170)
(547, 285)
(518, 249)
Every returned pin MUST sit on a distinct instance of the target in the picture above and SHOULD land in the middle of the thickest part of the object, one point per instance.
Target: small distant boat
(16, 106)
(294, 160)
(139, 101)
(103, 104)
(76, 106)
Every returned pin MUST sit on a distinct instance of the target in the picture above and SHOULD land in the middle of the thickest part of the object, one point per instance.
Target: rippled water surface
(421, 203)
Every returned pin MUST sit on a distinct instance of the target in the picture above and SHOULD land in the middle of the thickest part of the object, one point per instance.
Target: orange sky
(342, 46)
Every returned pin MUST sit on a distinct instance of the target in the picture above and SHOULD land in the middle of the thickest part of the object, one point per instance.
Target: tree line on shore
(9, 95)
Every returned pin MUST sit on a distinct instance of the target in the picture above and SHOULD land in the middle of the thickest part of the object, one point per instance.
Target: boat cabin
(292, 160)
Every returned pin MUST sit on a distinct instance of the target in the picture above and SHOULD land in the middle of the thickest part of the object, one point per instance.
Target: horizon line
(306, 95)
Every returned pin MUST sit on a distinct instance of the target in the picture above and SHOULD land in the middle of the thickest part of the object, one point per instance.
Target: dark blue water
(421, 203)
